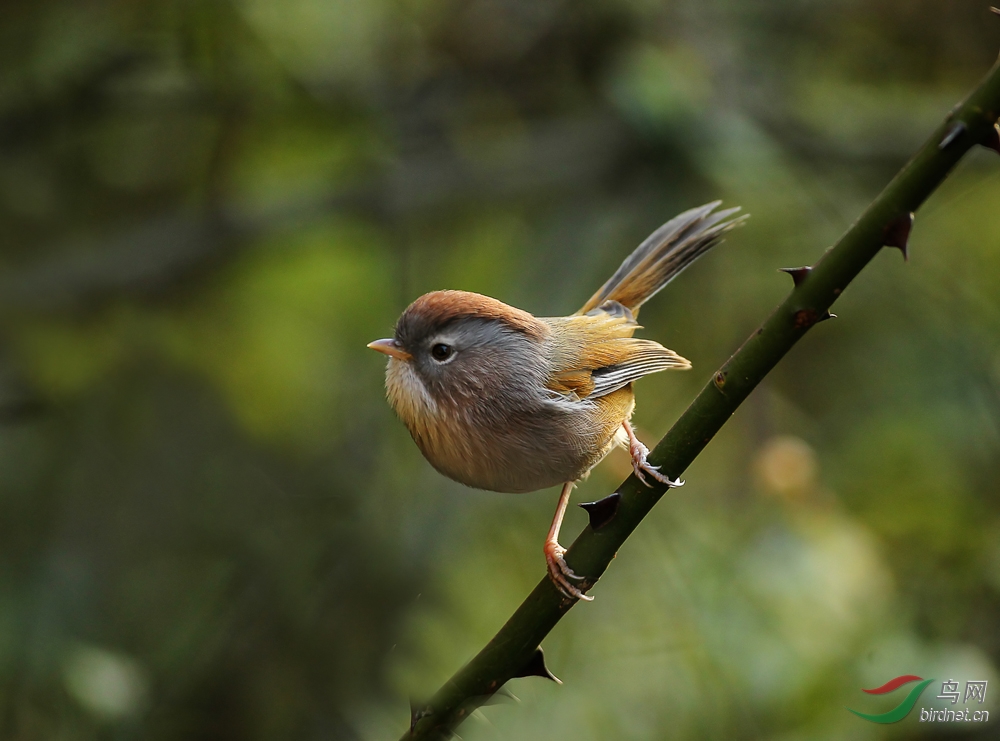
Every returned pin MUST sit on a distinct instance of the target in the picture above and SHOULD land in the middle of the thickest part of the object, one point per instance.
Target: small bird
(499, 399)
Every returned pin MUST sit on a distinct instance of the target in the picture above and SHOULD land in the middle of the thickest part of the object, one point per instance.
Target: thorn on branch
(995, 10)
(897, 233)
(603, 510)
(798, 274)
(992, 140)
(954, 131)
(535, 667)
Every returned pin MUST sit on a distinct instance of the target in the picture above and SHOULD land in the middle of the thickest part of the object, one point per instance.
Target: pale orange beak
(391, 348)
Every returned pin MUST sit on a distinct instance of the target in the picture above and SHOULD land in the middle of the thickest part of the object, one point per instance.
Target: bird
(499, 399)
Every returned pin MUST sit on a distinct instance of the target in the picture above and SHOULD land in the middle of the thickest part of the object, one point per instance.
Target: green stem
(510, 650)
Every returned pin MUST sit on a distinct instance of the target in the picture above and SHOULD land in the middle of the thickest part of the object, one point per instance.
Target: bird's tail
(664, 254)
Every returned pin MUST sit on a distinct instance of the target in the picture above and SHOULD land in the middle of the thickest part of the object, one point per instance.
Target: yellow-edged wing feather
(595, 354)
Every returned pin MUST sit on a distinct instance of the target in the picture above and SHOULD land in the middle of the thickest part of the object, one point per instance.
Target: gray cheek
(492, 362)
(512, 367)
(518, 360)
(436, 378)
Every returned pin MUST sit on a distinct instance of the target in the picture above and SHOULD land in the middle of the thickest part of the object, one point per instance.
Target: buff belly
(549, 447)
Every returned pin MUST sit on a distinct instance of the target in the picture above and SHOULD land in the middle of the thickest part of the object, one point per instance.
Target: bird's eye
(441, 352)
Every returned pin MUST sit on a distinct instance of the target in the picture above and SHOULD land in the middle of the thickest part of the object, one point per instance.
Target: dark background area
(211, 524)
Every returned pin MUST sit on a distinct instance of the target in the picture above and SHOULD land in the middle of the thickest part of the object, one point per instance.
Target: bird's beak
(391, 348)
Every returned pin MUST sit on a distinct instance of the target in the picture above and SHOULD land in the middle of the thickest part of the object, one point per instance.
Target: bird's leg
(559, 572)
(639, 463)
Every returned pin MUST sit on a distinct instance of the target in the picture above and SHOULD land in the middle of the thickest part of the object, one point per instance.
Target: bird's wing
(638, 358)
(593, 354)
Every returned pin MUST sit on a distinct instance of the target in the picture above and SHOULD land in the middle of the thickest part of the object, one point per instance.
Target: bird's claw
(641, 467)
(560, 573)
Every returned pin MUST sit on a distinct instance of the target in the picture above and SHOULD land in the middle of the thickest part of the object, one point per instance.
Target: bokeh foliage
(211, 525)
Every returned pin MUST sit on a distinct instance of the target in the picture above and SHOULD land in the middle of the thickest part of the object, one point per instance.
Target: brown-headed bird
(499, 399)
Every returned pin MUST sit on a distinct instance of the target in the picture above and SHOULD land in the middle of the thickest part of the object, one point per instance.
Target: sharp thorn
(798, 274)
(826, 316)
(992, 140)
(995, 10)
(535, 667)
(897, 233)
(954, 131)
(603, 510)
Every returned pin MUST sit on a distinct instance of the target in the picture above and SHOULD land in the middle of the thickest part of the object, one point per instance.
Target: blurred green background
(211, 524)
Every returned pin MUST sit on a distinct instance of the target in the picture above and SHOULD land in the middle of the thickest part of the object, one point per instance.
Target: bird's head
(455, 349)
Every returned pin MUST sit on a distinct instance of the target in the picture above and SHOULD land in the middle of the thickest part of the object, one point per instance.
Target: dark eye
(441, 352)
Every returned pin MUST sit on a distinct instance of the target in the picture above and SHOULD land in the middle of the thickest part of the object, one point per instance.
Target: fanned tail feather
(664, 254)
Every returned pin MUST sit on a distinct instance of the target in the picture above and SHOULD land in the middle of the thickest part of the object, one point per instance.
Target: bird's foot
(560, 573)
(641, 466)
